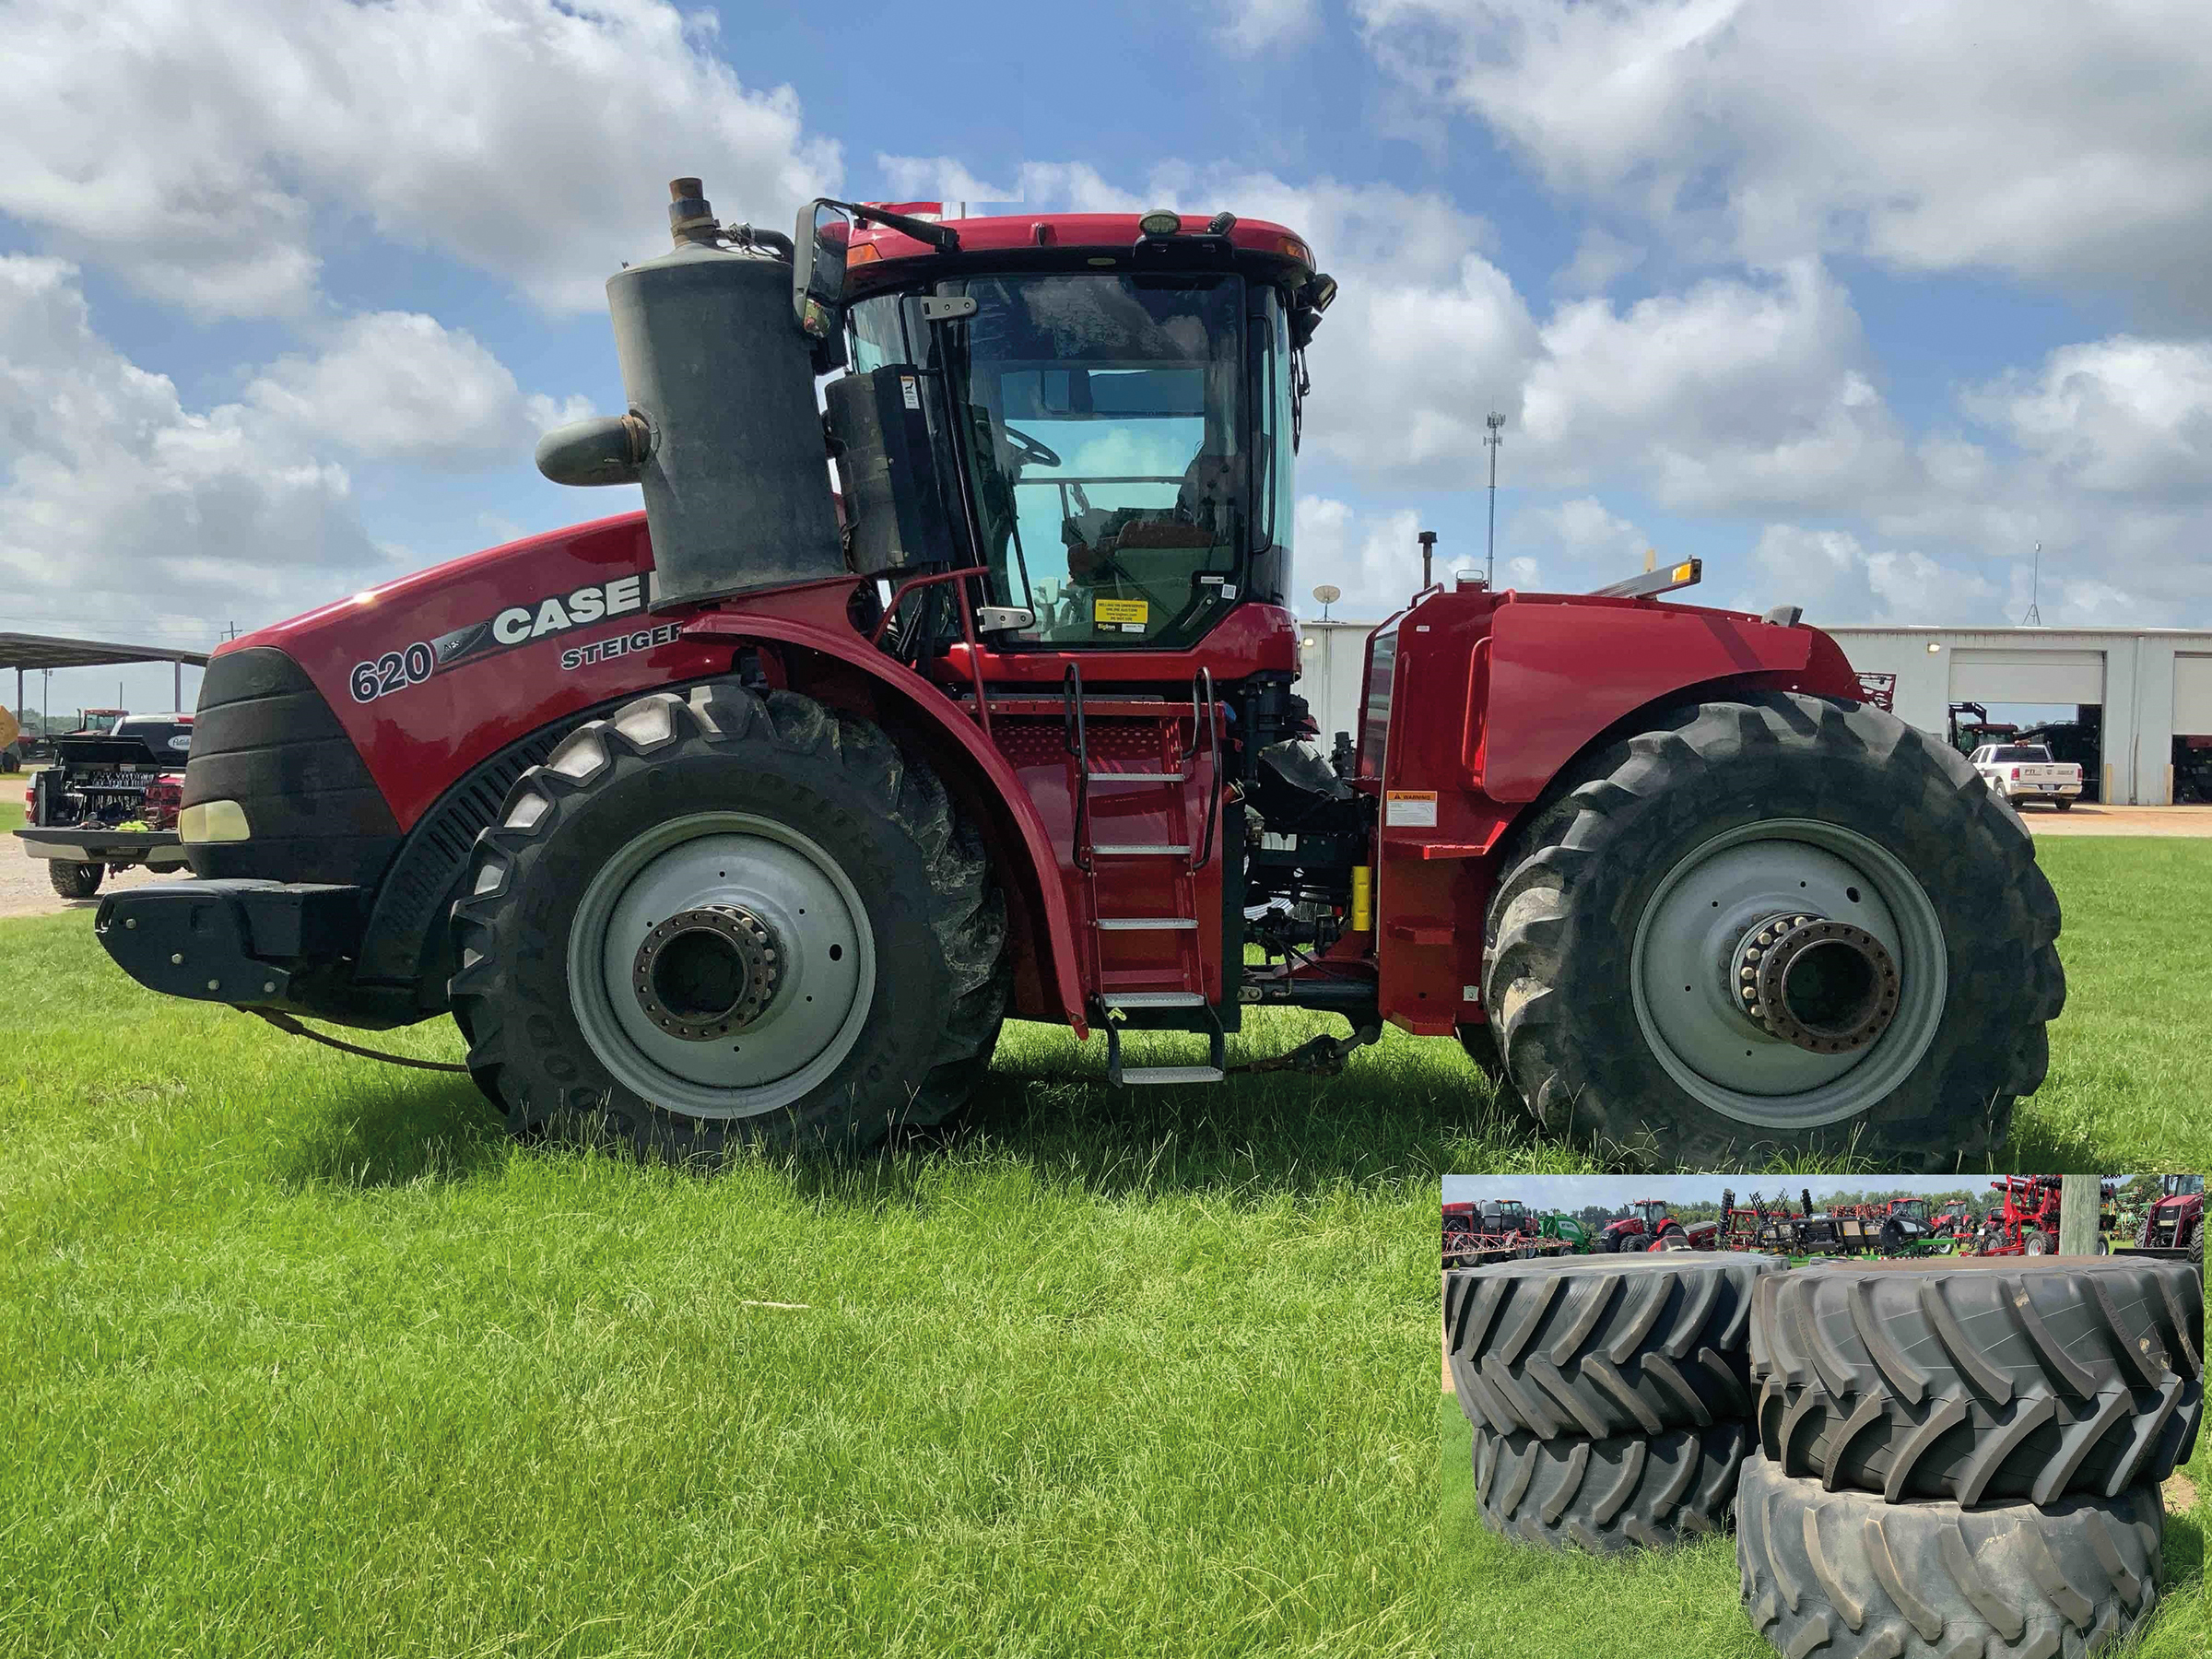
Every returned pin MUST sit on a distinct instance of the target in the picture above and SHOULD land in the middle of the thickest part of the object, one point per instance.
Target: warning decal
(1409, 809)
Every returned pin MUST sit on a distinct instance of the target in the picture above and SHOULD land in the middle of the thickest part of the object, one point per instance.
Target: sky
(1859, 315)
(1573, 1193)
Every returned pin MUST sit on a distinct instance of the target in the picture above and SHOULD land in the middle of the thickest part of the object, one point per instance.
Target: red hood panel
(435, 671)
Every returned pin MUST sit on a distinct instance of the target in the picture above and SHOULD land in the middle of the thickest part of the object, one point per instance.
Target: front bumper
(250, 944)
(75, 844)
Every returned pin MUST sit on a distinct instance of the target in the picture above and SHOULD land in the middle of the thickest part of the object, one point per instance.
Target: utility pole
(2079, 1198)
(2034, 618)
(1490, 561)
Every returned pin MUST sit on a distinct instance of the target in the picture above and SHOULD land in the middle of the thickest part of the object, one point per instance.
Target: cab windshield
(1111, 445)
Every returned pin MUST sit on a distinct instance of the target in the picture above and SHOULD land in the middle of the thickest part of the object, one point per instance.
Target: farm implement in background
(1474, 1239)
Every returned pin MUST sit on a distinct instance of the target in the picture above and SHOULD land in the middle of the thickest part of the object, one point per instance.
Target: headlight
(213, 821)
(1160, 222)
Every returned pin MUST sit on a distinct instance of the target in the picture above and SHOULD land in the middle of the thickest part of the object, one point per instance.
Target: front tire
(74, 880)
(1614, 936)
(728, 919)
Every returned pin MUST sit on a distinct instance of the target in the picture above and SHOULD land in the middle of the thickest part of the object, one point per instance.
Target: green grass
(302, 1356)
(1504, 1596)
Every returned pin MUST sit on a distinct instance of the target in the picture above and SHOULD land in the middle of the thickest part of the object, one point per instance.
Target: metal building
(2138, 700)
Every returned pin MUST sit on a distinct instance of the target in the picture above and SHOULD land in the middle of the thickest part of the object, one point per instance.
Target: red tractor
(1650, 1225)
(752, 816)
(2174, 1225)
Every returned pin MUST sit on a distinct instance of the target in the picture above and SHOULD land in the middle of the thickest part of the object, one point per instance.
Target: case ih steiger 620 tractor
(753, 814)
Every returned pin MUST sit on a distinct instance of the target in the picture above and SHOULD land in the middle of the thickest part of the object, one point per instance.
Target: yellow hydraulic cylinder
(1363, 898)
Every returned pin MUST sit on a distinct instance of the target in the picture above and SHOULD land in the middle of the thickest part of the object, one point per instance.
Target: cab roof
(1046, 234)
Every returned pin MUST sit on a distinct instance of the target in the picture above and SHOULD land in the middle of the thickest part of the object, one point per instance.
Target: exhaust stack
(723, 431)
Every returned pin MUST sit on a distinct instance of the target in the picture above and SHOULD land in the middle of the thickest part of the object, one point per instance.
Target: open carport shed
(2151, 686)
(28, 654)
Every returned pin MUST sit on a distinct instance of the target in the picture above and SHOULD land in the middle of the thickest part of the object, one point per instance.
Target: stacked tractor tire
(1936, 1459)
(1963, 1458)
(1611, 1397)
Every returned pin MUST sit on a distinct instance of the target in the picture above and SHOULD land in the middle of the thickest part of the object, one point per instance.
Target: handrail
(975, 666)
(1076, 739)
(1204, 682)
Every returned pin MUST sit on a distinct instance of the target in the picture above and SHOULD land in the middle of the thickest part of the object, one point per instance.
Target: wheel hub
(1826, 986)
(707, 971)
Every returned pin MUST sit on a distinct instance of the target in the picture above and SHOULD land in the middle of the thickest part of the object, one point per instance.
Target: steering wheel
(1028, 450)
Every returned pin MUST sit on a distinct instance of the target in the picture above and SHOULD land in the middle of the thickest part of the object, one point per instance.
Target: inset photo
(1905, 1416)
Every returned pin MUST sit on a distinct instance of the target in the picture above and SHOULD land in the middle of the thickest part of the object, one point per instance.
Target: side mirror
(817, 267)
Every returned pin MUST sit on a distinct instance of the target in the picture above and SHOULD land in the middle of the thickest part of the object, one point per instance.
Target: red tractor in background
(2174, 1224)
(752, 817)
(1650, 1225)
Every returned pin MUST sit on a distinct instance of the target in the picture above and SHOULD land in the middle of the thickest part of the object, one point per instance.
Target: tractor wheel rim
(1687, 958)
(716, 902)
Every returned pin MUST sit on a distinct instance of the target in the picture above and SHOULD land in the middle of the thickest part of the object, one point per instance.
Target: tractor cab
(1101, 415)
(1651, 1212)
(1506, 1215)
(1912, 1209)
(2181, 1186)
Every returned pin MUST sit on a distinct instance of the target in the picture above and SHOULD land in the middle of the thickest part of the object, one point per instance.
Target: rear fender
(1561, 676)
(1542, 682)
(844, 670)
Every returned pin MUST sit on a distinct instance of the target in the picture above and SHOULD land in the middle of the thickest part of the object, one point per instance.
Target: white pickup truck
(2025, 771)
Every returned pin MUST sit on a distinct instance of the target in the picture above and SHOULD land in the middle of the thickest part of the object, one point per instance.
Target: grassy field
(303, 1358)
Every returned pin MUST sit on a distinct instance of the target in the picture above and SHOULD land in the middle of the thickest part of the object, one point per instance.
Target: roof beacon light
(1160, 222)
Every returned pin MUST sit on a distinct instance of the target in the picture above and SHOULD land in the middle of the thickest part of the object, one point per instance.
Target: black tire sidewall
(911, 1002)
(1937, 834)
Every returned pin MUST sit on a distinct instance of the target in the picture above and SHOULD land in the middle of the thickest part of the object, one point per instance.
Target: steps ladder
(1150, 995)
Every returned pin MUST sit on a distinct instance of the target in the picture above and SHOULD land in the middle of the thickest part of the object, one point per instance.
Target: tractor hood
(428, 674)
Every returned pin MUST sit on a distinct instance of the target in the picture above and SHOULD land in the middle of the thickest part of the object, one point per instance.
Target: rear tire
(2001, 1380)
(1609, 1495)
(2064, 806)
(2034, 1242)
(1481, 1044)
(1773, 802)
(768, 809)
(1848, 1576)
(1598, 1349)
(74, 880)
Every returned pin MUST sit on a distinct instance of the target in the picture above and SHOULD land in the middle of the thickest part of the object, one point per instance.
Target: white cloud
(122, 506)
(941, 179)
(1583, 535)
(1732, 396)
(1373, 557)
(1837, 579)
(2118, 415)
(209, 153)
(1256, 25)
(1938, 135)
(1600, 260)
(398, 387)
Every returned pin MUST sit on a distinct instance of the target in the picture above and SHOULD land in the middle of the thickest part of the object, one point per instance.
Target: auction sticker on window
(1119, 615)
(1409, 809)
